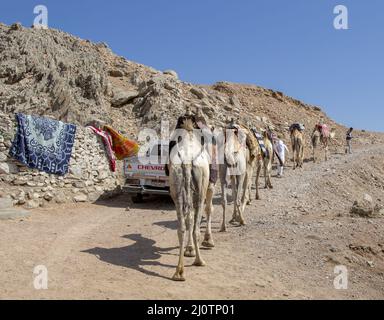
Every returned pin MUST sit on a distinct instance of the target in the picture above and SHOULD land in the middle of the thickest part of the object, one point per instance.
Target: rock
(8, 168)
(6, 203)
(3, 157)
(171, 73)
(121, 97)
(9, 214)
(48, 196)
(102, 175)
(81, 198)
(31, 184)
(76, 171)
(93, 196)
(16, 26)
(61, 198)
(32, 204)
(79, 184)
(198, 93)
(116, 73)
(364, 207)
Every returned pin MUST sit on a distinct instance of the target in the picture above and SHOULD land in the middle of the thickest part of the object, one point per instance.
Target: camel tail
(186, 190)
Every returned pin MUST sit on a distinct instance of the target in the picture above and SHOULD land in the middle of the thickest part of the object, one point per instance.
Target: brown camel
(297, 140)
(317, 139)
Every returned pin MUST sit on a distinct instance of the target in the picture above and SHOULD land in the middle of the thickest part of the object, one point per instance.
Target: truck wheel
(137, 198)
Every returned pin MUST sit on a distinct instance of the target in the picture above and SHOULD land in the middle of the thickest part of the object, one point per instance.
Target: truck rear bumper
(144, 190)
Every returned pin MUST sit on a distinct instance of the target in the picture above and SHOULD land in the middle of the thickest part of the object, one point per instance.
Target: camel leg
(190, 249)
(199, 204)
(223, 183)
(257, 180)
(249, 186)
(179, 275)
(244, 197)
(267, 174)
(208, 240)
(313, 155)
(235, 195)
(294, 157)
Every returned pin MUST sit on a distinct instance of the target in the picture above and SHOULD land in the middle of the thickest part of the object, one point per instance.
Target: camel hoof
(249, 202)
(208, 243)
(242, 222)
(271, 187)
(178, 277)
(223, 229)
(233, 220)
(199, 263)
(190, 252)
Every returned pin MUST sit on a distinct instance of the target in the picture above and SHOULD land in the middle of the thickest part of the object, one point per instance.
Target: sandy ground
(294, 238)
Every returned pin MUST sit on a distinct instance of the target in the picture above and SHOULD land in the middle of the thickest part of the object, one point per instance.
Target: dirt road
(294, 238)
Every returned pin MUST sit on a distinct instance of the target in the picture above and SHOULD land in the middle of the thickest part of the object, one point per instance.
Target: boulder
(61, 198)
(116, 73)
(123, 97)
(48, 196)
(198, 93)
(8, 168)
(364, 206)
(171, 73)
(32, 204)
(3, 157)
(81, 198)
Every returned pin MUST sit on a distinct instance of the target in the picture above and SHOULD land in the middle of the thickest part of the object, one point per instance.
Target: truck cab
(147, 175)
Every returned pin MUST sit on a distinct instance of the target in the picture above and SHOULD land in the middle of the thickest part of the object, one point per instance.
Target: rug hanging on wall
(122, 146)
(43, 144)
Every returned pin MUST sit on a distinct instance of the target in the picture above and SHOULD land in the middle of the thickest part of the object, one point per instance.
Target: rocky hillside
(49, 72)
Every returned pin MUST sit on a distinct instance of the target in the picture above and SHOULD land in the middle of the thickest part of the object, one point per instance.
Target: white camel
(190, 189)
(238, 168)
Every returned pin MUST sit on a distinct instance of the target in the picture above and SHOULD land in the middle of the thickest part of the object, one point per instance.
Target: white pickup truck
(147, 177)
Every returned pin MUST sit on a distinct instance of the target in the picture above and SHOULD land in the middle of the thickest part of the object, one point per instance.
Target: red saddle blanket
(324, 130)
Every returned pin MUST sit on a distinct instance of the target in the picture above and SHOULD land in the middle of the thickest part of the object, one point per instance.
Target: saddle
(297, 126)
(213, 170)
(260, 141)
(323, 129)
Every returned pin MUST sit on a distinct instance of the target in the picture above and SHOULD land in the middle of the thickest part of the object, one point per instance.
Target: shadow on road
(149, 202)
(173, 224)
(136, 256)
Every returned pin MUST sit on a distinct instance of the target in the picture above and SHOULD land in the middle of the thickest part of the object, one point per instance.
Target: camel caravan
(201, 155)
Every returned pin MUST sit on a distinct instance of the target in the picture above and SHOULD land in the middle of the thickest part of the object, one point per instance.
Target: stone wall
(88, 180)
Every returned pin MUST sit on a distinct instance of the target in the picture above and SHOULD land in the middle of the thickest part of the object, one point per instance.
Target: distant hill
(52, 73)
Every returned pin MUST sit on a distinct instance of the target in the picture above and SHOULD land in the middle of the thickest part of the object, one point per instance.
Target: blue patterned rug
(43, 144)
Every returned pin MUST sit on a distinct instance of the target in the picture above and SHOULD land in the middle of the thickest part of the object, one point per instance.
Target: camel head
(187, 124)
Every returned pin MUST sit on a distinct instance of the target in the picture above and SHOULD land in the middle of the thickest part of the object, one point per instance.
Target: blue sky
(290, 46)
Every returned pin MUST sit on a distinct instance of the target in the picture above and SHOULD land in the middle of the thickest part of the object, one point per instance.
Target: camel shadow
(173, 224)
(135, 256)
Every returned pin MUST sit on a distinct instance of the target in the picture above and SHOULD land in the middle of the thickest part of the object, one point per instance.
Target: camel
(317, 139)
(297, 140)
(265, 161)
(238, 167)
(190, 189)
